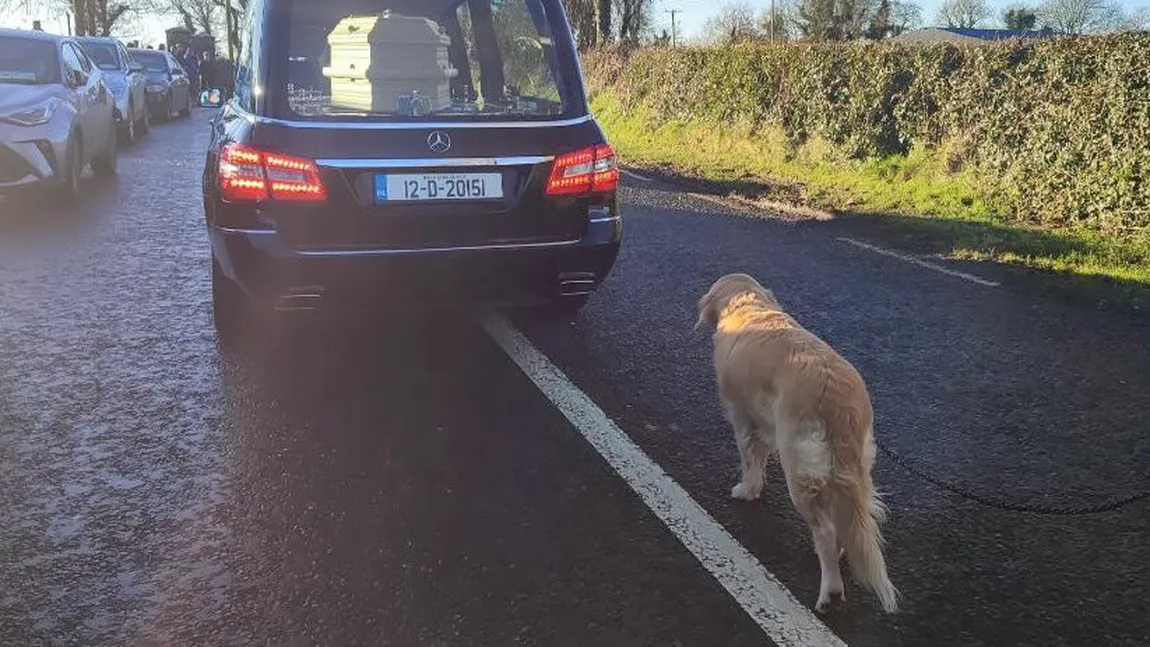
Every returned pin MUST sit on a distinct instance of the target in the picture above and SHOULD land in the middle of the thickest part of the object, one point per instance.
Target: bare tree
(584, 21)
(854, 16)
(97, 17)
(841, 19)
(1020, 17)
(963, 14)
(89, 17)
(196, 15)
(817, 19)
(604, 8)
(1136, 20)
(634, 19)
(735, 23)
(1079, 16)
(773, 23)
(904, 16)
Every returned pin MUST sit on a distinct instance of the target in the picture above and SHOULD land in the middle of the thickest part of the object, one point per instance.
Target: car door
(102, 107)
(79, 84)
(136, 83)
(181, 85)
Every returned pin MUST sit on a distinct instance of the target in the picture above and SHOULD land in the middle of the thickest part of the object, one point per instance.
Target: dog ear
(708, 317)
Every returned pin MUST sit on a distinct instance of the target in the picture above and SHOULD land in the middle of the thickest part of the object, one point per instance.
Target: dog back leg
(807, 461)
(754, 453)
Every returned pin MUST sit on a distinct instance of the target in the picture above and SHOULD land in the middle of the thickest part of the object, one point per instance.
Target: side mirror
(211, 98)
(77, 79)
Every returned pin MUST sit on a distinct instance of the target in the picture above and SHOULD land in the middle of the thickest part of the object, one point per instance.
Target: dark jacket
(191, 65)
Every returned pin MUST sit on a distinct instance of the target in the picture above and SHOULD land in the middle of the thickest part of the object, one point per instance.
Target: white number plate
(438, 186)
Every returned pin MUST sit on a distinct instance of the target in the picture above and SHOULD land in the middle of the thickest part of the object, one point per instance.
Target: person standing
(192, 67)
(208, 70)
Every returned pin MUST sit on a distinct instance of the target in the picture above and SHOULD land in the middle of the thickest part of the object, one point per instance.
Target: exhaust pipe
(302, 299)
(577, 284)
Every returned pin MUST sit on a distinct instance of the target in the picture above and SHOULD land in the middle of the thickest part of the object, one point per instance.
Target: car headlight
(155, 89)
(37, 115)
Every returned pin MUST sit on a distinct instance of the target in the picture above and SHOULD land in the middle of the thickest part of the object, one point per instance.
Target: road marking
(784, 619)
(931, 266)
(635, 176)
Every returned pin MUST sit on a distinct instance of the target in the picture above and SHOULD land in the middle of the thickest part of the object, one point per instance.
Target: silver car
(127, 80)
(57, 114)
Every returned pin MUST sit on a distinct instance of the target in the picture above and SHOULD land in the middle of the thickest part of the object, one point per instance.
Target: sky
(694, 13)
(691, 17)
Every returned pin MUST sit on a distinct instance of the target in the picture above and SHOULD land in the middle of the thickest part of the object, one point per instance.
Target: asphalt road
(360, 481)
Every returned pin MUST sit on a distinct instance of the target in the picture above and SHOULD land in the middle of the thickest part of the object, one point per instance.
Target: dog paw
(823, 605)
(743, 492)
(825, 598)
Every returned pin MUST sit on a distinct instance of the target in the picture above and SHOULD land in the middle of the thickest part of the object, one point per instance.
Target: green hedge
(1057, 130)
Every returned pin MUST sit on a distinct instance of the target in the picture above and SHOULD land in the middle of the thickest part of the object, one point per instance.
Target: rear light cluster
(249, 174)
(585, 172)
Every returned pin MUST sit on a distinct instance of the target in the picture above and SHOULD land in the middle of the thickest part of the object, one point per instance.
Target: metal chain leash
(1107, 506)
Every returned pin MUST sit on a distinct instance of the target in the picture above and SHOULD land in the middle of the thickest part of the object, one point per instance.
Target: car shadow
(970, 244)
(44, 214)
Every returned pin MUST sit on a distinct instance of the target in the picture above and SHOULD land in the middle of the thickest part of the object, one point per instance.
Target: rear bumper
(514, 274)
(159, 102)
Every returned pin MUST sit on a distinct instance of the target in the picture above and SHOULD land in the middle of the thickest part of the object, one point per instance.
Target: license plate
(438, 186)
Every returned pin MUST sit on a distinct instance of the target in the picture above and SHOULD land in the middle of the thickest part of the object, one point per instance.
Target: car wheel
(73, 169)
(105, 163)
(129, 133)
(231, 310)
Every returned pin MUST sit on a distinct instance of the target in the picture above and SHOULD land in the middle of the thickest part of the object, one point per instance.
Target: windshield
(27, 61)
(442, 58)
(104, 55)
(152, 61)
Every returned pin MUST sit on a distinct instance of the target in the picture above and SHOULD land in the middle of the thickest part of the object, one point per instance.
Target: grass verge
(916, 201)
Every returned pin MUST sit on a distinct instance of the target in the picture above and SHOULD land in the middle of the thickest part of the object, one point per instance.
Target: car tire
(105, 163)
(73, 170)
(129, 134)
(230, 308)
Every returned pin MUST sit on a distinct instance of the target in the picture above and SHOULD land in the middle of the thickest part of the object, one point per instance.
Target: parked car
(168, 87)
(56, 113)
(319, 189)
(127, 80)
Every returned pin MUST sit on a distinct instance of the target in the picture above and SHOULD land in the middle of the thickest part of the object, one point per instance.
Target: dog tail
(864, 547)
(859, 510)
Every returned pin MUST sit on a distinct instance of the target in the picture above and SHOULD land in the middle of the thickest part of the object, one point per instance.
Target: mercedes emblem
(439, 142)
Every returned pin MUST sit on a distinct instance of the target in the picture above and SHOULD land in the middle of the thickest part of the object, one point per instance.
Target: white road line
(786, 621)
(930, 266)
(635, 176)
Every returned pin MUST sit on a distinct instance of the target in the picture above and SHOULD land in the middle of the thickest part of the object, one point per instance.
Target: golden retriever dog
(788, 393)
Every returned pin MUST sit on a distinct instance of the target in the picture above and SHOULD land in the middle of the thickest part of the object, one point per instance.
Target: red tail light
(585, 172)
(250, 174)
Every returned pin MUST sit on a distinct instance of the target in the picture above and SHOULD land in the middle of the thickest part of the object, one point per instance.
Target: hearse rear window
(402, 59)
